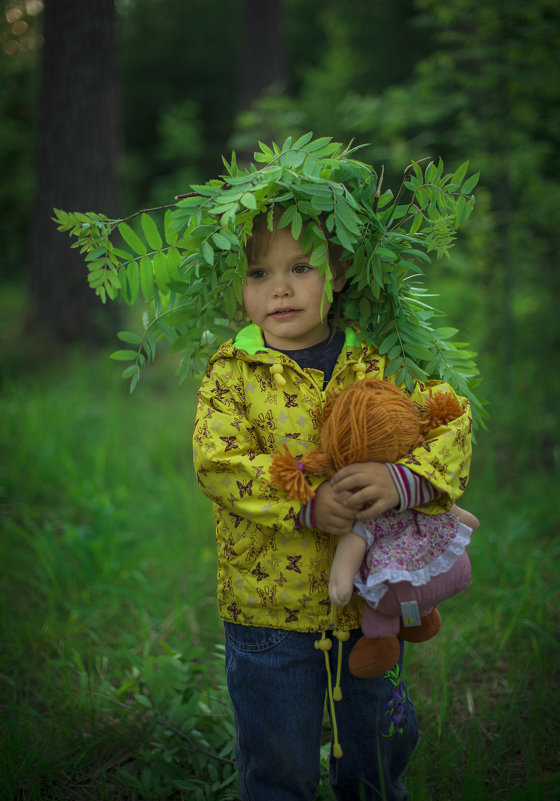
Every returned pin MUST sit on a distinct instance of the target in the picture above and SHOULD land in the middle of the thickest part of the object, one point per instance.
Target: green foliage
(175, 157)
(193, 275)
(105, 559)
(179, 76)
(190, 734)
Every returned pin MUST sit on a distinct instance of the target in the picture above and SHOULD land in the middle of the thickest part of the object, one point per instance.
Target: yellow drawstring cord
(276, 372)
(341, 636)
(325, 645)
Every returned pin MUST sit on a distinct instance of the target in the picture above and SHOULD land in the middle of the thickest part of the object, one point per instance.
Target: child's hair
(369, 421)
(261, 236)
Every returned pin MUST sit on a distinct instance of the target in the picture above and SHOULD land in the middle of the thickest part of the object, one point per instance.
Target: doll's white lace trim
(375, 587)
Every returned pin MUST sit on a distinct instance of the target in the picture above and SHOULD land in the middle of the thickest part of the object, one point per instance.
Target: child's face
(283, 296)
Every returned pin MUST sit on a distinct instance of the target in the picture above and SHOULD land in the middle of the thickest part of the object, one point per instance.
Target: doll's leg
(373, 657)
(378, 651)
(377, 624)
(349, 555)
(430, 624)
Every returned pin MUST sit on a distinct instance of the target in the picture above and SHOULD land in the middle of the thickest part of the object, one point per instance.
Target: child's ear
(339, 279)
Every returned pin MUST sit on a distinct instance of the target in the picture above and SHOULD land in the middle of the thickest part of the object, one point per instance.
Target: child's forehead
(277, 242)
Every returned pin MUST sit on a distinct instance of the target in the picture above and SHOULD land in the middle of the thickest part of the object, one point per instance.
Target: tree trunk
(263, 49)
(77, 159)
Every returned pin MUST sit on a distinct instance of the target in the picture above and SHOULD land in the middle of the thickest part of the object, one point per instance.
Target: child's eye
(256, 273)
(302, 268)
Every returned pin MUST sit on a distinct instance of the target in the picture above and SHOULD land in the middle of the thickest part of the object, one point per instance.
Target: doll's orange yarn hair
(369, 421)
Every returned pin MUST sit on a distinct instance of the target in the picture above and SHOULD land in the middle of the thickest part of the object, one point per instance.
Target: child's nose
(282, 288)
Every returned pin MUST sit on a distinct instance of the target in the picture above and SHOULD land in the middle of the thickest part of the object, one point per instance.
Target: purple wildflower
(396, 708)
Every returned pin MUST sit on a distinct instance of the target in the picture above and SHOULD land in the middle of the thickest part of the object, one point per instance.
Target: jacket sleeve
(444, 457)
(230, 465)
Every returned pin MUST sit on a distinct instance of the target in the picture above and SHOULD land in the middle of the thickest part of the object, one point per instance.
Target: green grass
(107, 564)
(107, 559)
(486, 689)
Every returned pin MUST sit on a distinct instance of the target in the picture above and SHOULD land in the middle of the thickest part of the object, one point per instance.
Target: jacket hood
(249, 345)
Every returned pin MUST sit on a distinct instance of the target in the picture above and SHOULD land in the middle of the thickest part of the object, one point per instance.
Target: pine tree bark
(78, 150)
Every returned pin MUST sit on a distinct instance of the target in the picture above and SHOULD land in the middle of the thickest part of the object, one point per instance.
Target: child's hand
(331, 512)
(371, 487)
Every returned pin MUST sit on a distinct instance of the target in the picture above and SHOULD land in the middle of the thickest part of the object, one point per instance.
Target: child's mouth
(280, 314)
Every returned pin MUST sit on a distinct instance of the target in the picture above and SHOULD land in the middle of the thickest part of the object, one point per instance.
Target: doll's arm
(465, 517)
(349, 555)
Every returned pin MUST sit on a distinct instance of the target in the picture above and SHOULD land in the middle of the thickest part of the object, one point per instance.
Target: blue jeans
(277, 682)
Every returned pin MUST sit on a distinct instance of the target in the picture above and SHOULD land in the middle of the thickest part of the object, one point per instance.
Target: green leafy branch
(190, 270)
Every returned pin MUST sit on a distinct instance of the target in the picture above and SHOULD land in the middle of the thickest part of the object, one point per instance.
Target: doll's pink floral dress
(408, 546)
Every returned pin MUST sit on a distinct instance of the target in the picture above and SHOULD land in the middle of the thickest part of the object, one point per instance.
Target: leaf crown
(193, 275)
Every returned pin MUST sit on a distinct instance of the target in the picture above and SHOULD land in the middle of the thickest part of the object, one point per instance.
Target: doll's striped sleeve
(306, 516)
(414, 490)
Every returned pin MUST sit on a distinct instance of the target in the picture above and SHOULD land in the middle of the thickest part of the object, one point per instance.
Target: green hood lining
(250, 339)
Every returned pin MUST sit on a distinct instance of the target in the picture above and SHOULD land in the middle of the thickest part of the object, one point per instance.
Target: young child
(261, 392)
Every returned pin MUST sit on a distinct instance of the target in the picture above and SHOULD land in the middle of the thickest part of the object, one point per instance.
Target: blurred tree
(263, 53)
(180, 68)
(178, 153)
(196, 64)
(366, 47)
(278, 54)
(20, 43)
(77, 158)
(337, 51)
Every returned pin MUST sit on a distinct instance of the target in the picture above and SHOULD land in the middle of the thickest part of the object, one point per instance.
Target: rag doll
(401, 563)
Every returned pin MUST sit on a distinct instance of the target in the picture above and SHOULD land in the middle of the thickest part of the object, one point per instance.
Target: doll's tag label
(410, 614)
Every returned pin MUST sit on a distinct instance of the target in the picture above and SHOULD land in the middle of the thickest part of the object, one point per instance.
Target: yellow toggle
(360, 370)
(324, 644)
(276, 373)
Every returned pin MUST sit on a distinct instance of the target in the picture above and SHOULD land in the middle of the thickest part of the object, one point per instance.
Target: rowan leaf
(151, 232)
(123, 355)
(133, 280)
(470, 184)
(146, 278)
(132, 239)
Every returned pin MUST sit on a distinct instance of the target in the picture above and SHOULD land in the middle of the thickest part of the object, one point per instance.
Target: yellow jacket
(271, 573)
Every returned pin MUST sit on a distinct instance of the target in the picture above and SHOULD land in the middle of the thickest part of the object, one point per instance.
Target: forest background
(109, 631)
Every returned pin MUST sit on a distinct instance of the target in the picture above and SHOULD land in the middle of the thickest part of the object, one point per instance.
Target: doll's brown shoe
(428, 628)
(373, 657)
